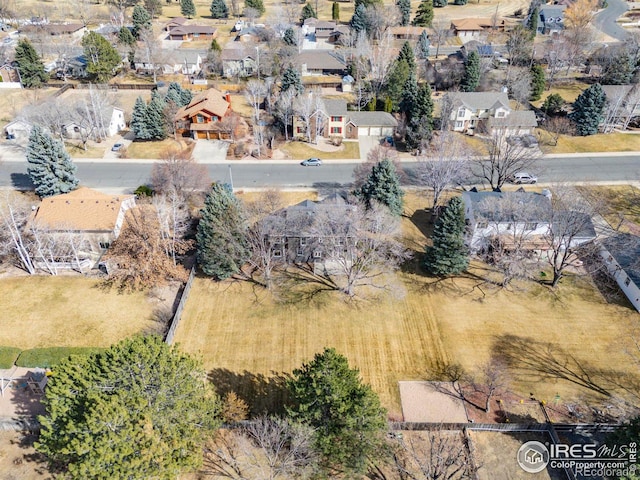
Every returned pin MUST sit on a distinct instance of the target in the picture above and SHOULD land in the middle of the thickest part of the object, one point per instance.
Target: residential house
(77, 67)
(488, 112)
(193, 32)
(9, 76)
(112, 122)
(407, 32)
(18, 130)
(337, 121)
(95, 217)
(294, 236)
(71, 30)
(623, 103)
(199, 119)
(321, 62)
(621, 255)
(109, 32)
(238, 60)
(175, 23)
(508, 216)
(467, 29)
(551, 19)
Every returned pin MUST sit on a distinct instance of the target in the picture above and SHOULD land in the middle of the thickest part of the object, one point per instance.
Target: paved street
(122, 176)
(605, 21)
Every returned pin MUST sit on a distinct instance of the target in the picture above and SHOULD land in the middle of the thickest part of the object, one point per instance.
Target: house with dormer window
(551, 19)
(200, 118)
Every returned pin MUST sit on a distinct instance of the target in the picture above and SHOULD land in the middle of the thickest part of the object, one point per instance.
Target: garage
(363, 131)
(371, 124)
(375, 131)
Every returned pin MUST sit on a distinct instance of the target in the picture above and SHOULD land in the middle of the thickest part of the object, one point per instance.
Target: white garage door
(364, 131)
(387, 131)
(375, 131)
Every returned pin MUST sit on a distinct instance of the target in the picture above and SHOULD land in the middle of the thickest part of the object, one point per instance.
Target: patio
(20, 397)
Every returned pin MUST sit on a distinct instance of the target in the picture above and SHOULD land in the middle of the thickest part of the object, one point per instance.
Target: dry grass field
(621, 205)
(568, 342)
(18, 458)
(44, 311)
(601, 142)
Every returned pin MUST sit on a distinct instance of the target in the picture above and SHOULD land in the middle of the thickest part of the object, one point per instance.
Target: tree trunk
(557, 275)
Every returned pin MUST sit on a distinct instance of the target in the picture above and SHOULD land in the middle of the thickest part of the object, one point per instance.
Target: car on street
(523, 177)
(311, 162)
(117, 147)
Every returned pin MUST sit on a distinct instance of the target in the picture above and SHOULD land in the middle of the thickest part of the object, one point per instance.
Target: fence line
(183, 299)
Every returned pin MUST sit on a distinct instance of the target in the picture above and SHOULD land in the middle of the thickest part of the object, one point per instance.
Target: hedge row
(40, 357)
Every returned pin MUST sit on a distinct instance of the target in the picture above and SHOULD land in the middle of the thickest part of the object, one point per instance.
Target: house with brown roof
(73, 30)
(95, 218)
(174, 23)
(467, 29)
(187, 33)
(200, 118)
(407, 32)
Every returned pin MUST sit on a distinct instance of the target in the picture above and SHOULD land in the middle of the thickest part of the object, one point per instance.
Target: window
(627, 282)
(303, 241)
(336, 119)
(461, 112)
(530, 226)
(105, 245)
(317, 254)
(458, 124)
(277, 253)
(500, 114)
(299, 130)
(199, 119)
(300, 252)
(336, 129)
(482, 225)
(196, 35)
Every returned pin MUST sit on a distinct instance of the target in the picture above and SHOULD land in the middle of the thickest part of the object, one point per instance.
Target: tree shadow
(22, 181)
(264, 394)
(541, 361)
(329, 188)
(422, 218)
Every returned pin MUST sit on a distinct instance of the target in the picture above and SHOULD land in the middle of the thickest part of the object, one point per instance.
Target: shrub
(8, 356)
(143, 191)
(49, 357)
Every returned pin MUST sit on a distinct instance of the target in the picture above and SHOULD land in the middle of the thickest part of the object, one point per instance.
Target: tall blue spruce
(449, 255)
(588, 110)
(382, 186)
(50, 167)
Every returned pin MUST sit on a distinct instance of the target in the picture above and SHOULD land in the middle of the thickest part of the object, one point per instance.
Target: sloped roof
(321, 59)
(472, 24)
(212, 101)
(191, 29)
(334, 106)
(372, 119)
(177, 21)
(625, 248)
(516, 118)
(237, 51)
(480, 205)
(481, 100)
(297, 219)
(83, 209)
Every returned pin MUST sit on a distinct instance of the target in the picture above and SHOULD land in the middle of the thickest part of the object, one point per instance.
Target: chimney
(227, 97)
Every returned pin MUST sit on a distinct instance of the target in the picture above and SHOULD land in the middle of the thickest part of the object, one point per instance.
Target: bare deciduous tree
(557, 126)
(519, 85)
(174, 220)
(441, 31)
(304, 106)
(493, 379)
(179, 172)
(284, 110)
(503, 160)
(14, 212)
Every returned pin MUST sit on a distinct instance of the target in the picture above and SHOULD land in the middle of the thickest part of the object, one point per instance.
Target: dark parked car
(311, 162)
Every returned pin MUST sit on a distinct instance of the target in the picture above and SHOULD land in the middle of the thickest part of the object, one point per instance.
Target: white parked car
(523, 177)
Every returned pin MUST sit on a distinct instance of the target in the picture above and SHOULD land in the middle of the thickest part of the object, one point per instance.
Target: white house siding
(627, 285)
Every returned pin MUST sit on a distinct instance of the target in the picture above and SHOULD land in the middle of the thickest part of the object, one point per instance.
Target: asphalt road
(127, 176)
(605, 21)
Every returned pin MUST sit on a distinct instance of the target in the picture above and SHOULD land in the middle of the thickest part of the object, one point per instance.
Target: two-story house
(199, 119)
(551, 18)
(239, 60)
(486, 112)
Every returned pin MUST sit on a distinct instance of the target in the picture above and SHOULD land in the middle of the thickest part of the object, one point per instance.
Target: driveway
(367, 143)
(210, 151)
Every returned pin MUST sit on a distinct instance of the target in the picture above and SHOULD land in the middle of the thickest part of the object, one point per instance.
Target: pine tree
(538, 82)
(215, 46)
(398, 76)
(30, 67)
(587, 110)
(619, 71)
(404, 6)
(358, 22)
(141, 20)
(139, 409)
(219, 9)
(180, 96)
(155, 117)
(409, 100)
(329, 396)
(102, 58)
(382, 186)
(221, 238)
(471, 78)
(440, 3)
(424, 15)
(289, 37)
(423, 46)
(406, 55)
(449, 254)
(307, 12)
(335, 11)
(420, 126)
(291, 79)
(139, 120)
(187, 8)
(460, 2)
(125, 37)
(532, 20)
(50, 167)
(255, 4)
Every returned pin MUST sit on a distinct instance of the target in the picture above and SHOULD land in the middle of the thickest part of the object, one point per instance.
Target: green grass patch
(8, 356)
(52, 356)
(302, 150)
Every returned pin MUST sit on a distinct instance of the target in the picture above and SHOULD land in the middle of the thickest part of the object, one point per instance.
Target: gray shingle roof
(321, 59)
(625, 248)
(516, 118)
(372, 119)
(480, 205)
(334, 106)
(481, 100)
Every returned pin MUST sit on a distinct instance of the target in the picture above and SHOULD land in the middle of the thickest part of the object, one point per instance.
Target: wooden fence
(176, 316)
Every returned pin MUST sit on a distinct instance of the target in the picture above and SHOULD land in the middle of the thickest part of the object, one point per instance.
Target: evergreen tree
(424, 15)
(471, 78)
(618, 71)
(398, 76)
(440, 3)
(140, 409)
(291, 79)
(406, 55)
(187, 8)
(404, 6)
(141, 20)
(382, 186)
(30, 67)
(255, 4)
(420, 126)
(460, 2)
(358, 22)
(538, 82)
(423, 46)
(219, 9)
(221, 238)
(50, 168)
(345, 413)
(139, 120)
(587, 110)
(449, 254)
(289, 37)
(532, 20)
(178, 95)
(215, 46)
(409, 100)
(102, 58)
(125, 37)
(307, 12)
(156, 125)
(553, 104)
(335, 11)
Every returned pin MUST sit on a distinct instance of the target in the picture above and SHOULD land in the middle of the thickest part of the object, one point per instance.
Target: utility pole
(230, 178)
